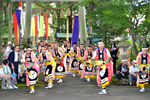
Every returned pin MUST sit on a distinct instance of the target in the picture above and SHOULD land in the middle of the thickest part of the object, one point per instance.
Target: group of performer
(59, 61)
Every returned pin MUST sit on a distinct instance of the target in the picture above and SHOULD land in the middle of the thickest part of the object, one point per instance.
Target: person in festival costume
(60, 71)
(31, 67)
(143, 67)
(47, 60)
(102, 59)
(73, 64)
(64, 46)
(81, 64)
(67, 59)
(50, 49)
(88, 70)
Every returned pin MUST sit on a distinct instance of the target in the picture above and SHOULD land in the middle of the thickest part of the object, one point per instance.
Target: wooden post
(28, 19)
(82, 24)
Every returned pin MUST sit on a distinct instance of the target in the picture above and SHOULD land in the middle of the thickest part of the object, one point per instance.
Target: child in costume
(73, 64)
(102, 59)
(47, 59)
(31, 68)
(60, 71)
(143, 67)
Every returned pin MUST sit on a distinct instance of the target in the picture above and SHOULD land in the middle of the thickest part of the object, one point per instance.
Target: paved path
(76, 89)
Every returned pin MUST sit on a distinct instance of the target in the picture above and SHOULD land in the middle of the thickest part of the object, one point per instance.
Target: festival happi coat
(73, 64)
(88, 69)
(32, 68)
(81, 62)
(102, 69)
(143, 64)
(67, 58)
(61, 69)
(50, 63)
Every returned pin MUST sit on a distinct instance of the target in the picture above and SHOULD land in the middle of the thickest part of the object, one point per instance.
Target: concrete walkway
(76, 89)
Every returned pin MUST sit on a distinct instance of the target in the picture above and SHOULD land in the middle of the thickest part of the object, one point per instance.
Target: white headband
(124, 60)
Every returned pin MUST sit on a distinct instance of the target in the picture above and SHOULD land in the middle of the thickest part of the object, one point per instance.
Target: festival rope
(54, 8)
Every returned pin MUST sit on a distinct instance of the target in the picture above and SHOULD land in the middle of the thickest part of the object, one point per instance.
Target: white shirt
(1, 71)
(16, 57)
(112, 47)
(8, 49)
(133, 69)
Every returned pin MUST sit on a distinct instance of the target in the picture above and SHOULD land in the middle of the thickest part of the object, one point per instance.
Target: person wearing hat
(114, 53)
(8, 49)
(143, 64)
(132, 75)
(64, 46)
(122, 70)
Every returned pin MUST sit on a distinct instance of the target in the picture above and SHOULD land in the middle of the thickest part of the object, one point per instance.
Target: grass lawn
(39, 83)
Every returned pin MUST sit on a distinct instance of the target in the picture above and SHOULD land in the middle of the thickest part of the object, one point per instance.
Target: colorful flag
(18, 16)
(33, 26)
(22, 18)
(15, 26)
(46, 25)
(41, 26)
(36, 24)
(75, 34)
(73, 21)
(67, 37)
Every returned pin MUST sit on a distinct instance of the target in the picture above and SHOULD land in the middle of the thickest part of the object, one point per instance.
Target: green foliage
(132, 53)
(113, 79)
(3, 30)
(106, 22)
(110, 18)
(23, 45)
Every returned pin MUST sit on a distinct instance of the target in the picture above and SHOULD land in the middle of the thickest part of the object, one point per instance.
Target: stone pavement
(76, 89)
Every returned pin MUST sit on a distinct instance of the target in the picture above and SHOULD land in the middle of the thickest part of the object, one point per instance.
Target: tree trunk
(91, 6)
(133, 43)
(1, 37)
(9, 12)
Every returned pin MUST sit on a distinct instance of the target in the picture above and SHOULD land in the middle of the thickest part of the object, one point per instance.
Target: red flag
(73, 20)
(46, 25)
(15, 26)
(36, 18)
(20, 4)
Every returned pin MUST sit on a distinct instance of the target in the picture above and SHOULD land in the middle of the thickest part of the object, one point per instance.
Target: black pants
(119, 75)
(114, 65)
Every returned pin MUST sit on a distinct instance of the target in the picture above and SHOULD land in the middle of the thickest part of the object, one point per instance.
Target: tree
(119, 15)
(3, 26)
(104, 27)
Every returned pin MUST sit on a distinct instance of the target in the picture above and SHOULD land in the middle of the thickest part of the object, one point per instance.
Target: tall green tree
(3, 25)
(118, 15)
